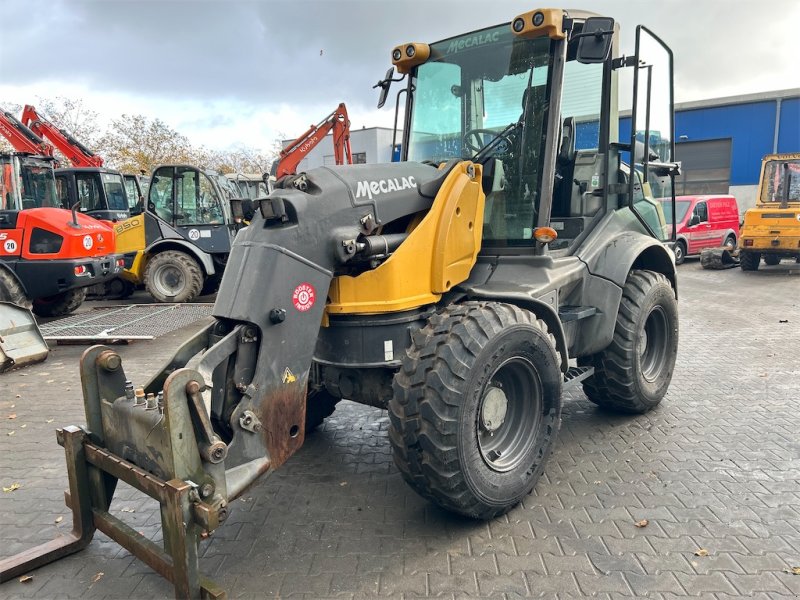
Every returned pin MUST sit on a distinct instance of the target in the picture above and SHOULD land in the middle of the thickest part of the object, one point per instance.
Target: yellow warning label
(288, 376)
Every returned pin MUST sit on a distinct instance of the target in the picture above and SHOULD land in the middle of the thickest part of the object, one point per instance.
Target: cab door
(698, 228)
(199, 214)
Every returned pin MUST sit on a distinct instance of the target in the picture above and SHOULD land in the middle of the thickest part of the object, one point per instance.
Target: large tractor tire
(476, 407)
(320, 405)
(11, 290)
(772, 259)
(748, 261)
(173, 276)
(633, 373)
(60, 304)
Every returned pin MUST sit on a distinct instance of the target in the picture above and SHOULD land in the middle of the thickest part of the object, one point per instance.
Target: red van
(704, 222)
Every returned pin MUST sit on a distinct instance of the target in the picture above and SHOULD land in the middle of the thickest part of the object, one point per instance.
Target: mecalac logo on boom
(384, 186)
(470, 42)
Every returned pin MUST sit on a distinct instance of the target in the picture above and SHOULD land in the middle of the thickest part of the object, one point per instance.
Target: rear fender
(611, 265)
(631, 250)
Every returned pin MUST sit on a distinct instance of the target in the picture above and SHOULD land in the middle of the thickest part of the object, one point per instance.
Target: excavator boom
(78, 154)
(337, 122)
(21, 138)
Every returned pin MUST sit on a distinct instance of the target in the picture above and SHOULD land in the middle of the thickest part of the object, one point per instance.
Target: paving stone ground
(716, 466)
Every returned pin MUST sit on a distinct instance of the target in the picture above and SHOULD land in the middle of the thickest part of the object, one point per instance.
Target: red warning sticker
(303, 297)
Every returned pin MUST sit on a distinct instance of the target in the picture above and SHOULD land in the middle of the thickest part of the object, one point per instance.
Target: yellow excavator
(511, 253)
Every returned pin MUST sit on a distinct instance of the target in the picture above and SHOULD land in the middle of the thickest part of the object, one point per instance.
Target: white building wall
(374, 142)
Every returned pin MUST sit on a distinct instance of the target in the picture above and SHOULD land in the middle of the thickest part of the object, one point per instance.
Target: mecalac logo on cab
(471, 42)
(384, 186)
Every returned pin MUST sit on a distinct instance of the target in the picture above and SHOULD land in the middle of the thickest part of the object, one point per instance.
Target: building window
(360, 158)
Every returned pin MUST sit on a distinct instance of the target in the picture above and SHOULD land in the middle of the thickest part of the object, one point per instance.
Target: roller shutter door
(705, 167)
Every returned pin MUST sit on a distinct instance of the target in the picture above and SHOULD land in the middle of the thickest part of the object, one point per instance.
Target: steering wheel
(474, 143)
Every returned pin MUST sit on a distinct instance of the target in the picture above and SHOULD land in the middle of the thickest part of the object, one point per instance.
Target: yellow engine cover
(130, 239)
(438, 254)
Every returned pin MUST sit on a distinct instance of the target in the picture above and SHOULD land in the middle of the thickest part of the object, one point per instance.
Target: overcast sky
(228, 73)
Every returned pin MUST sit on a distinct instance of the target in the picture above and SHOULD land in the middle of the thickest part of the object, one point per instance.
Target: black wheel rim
(505, 437)
(653, 344)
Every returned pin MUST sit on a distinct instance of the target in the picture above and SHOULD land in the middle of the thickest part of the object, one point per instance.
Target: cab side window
(62, 191)
(701, 211)
(88, 192)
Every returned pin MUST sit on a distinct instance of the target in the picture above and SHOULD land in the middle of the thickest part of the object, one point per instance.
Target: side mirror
(695, 220)
(385, 84)
(595, 40)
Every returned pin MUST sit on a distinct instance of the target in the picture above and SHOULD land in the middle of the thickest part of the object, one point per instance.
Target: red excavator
(99, 192)
(48, 255)
(337, 122)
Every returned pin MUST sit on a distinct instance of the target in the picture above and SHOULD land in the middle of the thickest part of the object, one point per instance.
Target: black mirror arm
(598, 34)
(662, 169)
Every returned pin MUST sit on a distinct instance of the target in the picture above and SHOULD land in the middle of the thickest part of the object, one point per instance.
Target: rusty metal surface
(132, 322)
(21, 342)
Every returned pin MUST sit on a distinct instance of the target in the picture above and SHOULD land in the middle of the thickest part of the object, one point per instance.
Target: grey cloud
(264, 53)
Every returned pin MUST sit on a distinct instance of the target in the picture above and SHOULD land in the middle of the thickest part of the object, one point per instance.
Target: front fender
(541, 309)
(202, 257)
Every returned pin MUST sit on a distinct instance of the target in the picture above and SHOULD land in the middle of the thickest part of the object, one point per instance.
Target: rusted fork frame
(88, 467)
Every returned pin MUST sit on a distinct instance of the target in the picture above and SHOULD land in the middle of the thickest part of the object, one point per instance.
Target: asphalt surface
(714, 470)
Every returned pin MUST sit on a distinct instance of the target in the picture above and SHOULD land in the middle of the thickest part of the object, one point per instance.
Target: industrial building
(720, 142)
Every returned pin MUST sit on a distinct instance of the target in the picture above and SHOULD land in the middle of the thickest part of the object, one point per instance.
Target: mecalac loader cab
(178, 246)
(506, 258)
(48, 255)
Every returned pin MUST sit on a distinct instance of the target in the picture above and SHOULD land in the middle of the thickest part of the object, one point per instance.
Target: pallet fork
(93, 473)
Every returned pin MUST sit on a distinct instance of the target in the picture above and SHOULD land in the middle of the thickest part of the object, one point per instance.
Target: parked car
(704, 222)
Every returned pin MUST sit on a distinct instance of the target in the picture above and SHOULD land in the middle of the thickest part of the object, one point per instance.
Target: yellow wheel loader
(509, 255)
(771, 229)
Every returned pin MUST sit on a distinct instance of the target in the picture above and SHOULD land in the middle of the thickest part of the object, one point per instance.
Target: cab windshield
(477, 88)
(781, 181)
(37, 185)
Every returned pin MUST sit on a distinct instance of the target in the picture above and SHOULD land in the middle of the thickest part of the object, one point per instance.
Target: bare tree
(136, 142)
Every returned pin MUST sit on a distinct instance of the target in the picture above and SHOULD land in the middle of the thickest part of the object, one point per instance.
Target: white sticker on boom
(10, 246)
(388, 350)
(205, 233)
(88, 242)
(194, 234)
